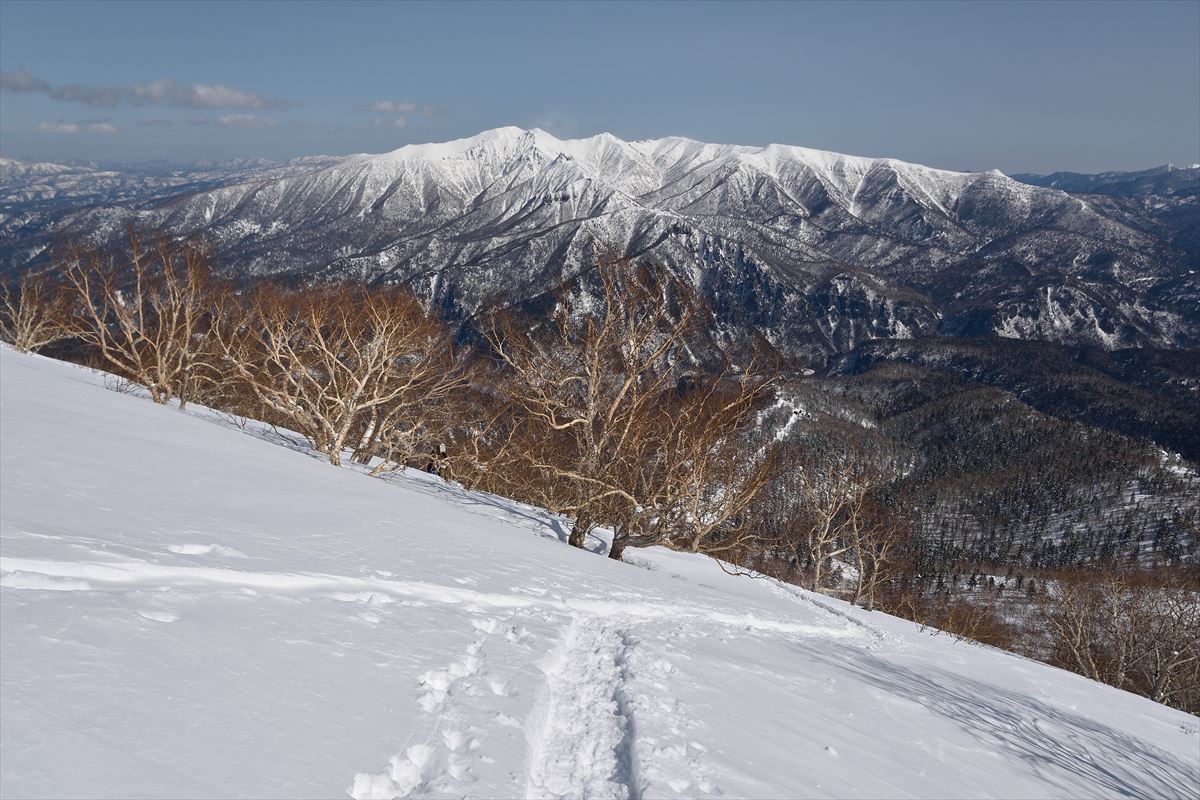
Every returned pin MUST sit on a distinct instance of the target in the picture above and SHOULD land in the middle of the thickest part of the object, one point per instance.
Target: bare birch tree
(1132, 629)
(826, 498)
(700, 471)
(343, 366)
(879, 535)
(33, 313)
(585, 385)
(145, 318)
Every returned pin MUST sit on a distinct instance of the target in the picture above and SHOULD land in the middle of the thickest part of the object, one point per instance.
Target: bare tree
(700, 470)
(833, 487)
(1132, 629)
(33, 313)
(420, 421)
(586, 385)
(145, 318)
(343, 366)
(879, 535)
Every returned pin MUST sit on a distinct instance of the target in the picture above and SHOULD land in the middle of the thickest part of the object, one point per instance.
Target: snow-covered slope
(192, 610)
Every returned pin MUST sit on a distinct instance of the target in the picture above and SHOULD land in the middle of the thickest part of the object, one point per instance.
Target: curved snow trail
(875, 635)
(26, 573)
(581, 732)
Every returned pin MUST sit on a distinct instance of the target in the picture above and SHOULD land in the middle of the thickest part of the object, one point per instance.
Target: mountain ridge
(818, 251)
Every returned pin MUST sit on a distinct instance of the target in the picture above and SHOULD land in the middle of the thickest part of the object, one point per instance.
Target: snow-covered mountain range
(819, 251)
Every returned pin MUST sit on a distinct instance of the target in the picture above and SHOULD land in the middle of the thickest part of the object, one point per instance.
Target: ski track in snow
(581, 733)
(875, 636)
(582, 730)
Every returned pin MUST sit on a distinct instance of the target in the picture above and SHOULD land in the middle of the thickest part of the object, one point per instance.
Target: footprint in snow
(457, 740)
(517, 634)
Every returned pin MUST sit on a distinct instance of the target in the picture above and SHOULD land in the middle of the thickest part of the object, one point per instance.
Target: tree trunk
(618, 548)
(579, 531)
(185, 388)
(362, 455)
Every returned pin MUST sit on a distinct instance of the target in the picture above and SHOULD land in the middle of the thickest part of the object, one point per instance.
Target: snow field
(190, 611)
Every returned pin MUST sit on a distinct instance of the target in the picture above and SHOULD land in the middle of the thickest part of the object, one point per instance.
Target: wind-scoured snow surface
(193, 610)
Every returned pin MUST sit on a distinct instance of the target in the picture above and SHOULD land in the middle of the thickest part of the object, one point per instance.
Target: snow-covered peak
(643, 166)
(495, 140)
(592, 150)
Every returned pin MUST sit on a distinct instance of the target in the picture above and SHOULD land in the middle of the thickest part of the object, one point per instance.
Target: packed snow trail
(581, 732)
(192, 610)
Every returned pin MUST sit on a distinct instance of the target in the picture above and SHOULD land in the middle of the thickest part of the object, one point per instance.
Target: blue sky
(1019, 86)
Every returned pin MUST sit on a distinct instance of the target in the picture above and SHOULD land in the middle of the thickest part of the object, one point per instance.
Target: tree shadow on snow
(1063, 749)
(535, 520)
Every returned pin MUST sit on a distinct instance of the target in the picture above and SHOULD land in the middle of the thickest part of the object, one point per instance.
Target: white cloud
(389, 107)
(95, 96)
(59, 127)
(392, 107)
(400, 122)
(199, 95)
(82, 126)
(245, 121)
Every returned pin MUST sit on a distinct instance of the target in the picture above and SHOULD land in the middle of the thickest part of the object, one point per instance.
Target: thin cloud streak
(245, 121)
(163, 92)
(82, 126)
(392, 107)
(388, 107)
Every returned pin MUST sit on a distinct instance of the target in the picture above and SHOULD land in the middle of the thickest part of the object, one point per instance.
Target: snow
(505, 137)
(192, 610)
(639, 167)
